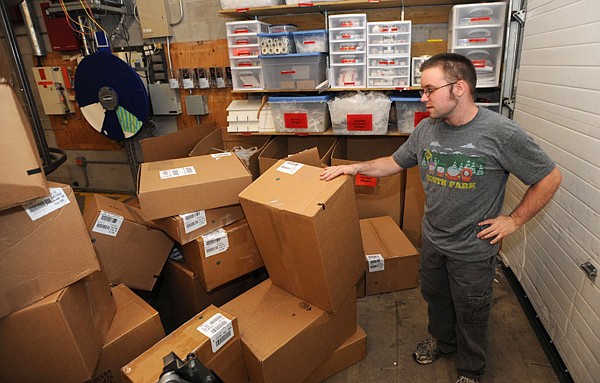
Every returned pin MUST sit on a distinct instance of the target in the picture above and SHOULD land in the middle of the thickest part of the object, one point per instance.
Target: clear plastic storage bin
(311, 41)
(478, 14)
(247, 78)
(279, 28)
(409, 111)
(300, 114)
(295, 71)
(248, 28)
(360, 114)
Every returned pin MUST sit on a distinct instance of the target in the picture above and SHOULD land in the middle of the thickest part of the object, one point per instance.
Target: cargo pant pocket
(478, 309)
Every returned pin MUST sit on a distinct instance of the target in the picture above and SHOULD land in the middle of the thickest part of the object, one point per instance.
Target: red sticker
(288, 72)
(478, 40)
(240, 10)
(360, 180)
(296, 120)
(360, 122)
(309, 42)
(474, 19)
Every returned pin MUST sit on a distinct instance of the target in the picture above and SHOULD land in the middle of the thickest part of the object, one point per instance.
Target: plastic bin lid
(275, 34)
(311, 32)
(301, 98)
(405, 99)
(294, 55)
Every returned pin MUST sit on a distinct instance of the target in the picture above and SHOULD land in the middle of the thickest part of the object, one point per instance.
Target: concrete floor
(396, 322)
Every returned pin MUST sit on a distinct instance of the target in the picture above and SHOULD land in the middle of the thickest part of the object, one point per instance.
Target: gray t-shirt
(464, 170)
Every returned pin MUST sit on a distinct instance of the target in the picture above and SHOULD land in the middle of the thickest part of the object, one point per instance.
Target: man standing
(465, 154)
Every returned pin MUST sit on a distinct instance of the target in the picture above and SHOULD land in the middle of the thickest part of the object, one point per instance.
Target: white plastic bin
(300, 114)
(360, 113)
(409, 111)
(239, 4)
(295, 71)
(311, 41)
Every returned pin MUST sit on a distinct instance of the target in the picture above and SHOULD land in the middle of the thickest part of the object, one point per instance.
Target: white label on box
(376, 262)
(215, 242)
(218, 329)
(193, 221)
(179, 172)
(290, 167)
(219, 155)
(40, 207)
(108, 223)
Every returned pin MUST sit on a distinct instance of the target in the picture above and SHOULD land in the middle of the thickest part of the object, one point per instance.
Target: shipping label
(108, 223)
(193, 221)
(40, 207)
(290, 167)
(179, 172)
(218, 329)
(215, 242)
(376, 262)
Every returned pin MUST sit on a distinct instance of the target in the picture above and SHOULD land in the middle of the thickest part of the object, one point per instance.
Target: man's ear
(461, 88)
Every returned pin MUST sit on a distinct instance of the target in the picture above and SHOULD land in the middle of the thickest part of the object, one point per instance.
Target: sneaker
(427, 351)
(464, 379)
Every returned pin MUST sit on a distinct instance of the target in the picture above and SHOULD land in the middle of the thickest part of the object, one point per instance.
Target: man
(465, 154)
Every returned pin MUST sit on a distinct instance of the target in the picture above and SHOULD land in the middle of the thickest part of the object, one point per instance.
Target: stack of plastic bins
(347, 49)
(388, 58)
(409, 112)
(294, 71)
(242, 42)
(300, 115)
(477, 32)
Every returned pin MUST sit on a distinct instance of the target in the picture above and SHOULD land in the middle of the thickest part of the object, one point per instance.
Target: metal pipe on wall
(33, 28)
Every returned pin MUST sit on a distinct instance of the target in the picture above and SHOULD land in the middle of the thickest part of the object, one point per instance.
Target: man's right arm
(379, 167)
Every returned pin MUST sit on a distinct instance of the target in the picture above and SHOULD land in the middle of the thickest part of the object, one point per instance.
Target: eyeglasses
(428, 91)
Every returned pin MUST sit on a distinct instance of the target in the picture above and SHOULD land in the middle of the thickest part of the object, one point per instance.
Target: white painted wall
(558, 103)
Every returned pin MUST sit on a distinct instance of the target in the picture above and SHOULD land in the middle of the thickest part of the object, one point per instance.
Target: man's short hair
(455, 67)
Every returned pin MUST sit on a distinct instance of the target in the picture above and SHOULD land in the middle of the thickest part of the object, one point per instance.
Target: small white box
(244, 116)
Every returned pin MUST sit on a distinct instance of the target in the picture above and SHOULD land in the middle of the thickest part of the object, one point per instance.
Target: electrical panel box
(196, 105)
(154, 18)
(60, 34)
(53, 84)
(165, 101)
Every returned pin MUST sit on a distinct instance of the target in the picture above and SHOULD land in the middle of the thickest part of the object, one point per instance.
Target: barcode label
(40, 207)
(289, 167)
(215, 242)
(376, 262)
(218, 329)
(108, 223)
(219, 155)
(179, 172)
(193, 221)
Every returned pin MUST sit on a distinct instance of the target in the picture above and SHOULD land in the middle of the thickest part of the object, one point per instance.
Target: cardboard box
(185, 228)
(352, 351)
(286, 338)
(22, 177)
(218, 142)
(227, 361)
(135, 328)
(188, 297)
(129, 251)
(375, 196)
(59, 338)
(307, 232)
(393, 252)
(179, 186)
(414, 206)
(174, 145)
(42, 256)
(223, 255)
(298, 149)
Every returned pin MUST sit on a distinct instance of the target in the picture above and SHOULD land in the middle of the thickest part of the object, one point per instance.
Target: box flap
(382, 236)
(174, 145)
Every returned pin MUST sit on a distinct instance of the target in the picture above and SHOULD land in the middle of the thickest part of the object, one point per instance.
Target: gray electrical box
(165, 101)
(196, 105)
(154, 18)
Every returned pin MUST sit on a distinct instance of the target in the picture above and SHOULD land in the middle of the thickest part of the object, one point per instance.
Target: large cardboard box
(40, 254)
(135, 328)
(352, 351)
(22, 177)
(286, 338)
(221, 353)
(375, 196)
(185, 228)
(414, 206)
(310, 150)
(307, 232)
(218, 141)
(129, 251)
(188, 297)
(392, 261)
(184, 185)
(59, 338)
(174, 145)
(223, 255)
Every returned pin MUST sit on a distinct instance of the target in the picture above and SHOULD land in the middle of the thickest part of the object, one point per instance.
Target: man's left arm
(536, 197)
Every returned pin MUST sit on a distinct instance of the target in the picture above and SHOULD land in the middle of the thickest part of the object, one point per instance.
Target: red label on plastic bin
(478, 40)
(478, 63)
(288, 72)
(240, 10)
(360, 122)
(420, 116)
(296, 120)
(305, 4)
(476, 19)
(360, 180)
(307, 42)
